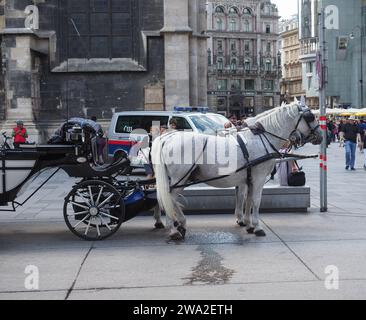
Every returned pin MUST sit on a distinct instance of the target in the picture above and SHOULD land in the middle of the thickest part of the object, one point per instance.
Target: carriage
(101, 199)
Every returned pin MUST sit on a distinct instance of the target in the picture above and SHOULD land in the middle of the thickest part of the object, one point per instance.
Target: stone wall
(64, 69)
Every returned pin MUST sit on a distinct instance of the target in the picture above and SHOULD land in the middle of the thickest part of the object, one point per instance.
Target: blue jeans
(350, 153)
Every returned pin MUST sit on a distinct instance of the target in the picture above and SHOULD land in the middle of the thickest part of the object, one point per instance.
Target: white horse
(180, 157)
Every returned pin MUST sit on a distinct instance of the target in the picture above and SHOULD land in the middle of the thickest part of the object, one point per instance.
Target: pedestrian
(351, 135)
(362, 127)
(364, 146)
(19, 134)
(101, 142)
(285, 168)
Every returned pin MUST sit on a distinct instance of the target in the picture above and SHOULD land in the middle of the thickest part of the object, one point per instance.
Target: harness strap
(192, 168)
(244, 149)
(250, 164)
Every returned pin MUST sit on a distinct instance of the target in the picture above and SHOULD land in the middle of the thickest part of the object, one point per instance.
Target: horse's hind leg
(178, 228)
(240, 195)
(157, 216)
(248, 211)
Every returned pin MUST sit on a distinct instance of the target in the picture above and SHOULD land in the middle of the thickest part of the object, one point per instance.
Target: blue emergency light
(191, 109)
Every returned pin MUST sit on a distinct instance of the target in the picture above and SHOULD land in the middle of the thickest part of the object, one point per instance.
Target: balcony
(308, 49)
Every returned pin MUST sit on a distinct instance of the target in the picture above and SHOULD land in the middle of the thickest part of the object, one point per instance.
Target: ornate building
(291, 82)
(243, 56)
(65, 58)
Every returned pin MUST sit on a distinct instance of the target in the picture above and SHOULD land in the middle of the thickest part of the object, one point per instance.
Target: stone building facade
(291, 82)
(243, 56)
(65, 58)
(346, 55)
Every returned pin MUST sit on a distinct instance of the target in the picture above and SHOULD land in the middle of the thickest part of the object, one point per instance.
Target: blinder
(297, 138)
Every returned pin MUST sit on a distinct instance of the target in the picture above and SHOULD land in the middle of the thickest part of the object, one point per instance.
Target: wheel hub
(93, 211)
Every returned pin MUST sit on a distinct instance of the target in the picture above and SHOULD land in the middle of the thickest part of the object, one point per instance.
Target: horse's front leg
(157, 216)
(240, 196)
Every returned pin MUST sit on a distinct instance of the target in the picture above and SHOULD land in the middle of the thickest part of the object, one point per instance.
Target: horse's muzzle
(316, 139)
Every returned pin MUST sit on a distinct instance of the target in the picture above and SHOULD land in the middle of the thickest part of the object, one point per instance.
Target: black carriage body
(18, 166)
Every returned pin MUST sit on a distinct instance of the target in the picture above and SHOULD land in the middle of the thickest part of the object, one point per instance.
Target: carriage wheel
(94, 210)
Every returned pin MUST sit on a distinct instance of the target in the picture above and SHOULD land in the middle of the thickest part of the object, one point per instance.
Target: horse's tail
(165, 198)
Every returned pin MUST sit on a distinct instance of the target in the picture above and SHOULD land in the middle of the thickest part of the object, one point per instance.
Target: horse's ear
(283, 104)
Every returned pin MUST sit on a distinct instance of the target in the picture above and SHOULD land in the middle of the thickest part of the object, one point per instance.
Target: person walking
(351, 135)
(19, 134)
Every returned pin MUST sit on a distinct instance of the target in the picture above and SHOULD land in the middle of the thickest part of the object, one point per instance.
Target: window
(309, 67)
(182, 123)
(235, 84)
(246, 46)
(233, 10)
(247, 65)
(268, 66)
(99, 29)
(268, 28)
(126, 124)
(268, 102)
(233, 25)
(268, 47)
(221, 84)
(233, 45)
(247, 11)
(219, 9)
(233, 65)
(220, 64)
(247, 27)
(268, 85)
(219, 45)
(249, 85)
(219, 24)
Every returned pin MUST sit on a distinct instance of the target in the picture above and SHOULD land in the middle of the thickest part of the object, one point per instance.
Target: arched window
(247, 11)
(219, 9)
(233, 10)
(219, 24)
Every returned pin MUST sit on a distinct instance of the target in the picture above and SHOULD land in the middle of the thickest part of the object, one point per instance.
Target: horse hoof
(250, 230)
(182, 231)
(260, 233)
(159, 225)
(241, 224)
(176, 236)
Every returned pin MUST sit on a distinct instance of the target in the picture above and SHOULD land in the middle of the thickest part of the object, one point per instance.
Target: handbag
(296, 179)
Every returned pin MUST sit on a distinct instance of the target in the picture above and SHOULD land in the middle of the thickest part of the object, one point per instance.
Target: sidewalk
(218, 260)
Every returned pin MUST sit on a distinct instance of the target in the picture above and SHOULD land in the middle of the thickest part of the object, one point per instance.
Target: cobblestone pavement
(218, 260)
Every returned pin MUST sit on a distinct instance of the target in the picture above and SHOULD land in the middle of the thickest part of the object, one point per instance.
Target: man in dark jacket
(351, 135)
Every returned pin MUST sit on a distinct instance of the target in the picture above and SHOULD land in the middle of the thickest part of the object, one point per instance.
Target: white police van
(187, 118)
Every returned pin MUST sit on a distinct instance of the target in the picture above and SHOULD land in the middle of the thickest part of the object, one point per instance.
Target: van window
(126, 124)
(182, 123)
(209, 124)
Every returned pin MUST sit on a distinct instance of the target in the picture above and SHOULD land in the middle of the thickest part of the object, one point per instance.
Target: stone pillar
(176, 35)
(21, 17)
(185, 53)
(18, 83)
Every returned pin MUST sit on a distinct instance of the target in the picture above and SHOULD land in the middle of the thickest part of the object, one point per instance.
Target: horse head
(307, 128)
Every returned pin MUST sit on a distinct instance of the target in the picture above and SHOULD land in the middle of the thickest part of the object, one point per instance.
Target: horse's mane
(276, 119)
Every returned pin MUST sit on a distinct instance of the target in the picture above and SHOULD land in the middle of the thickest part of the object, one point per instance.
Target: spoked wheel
(94, 210)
